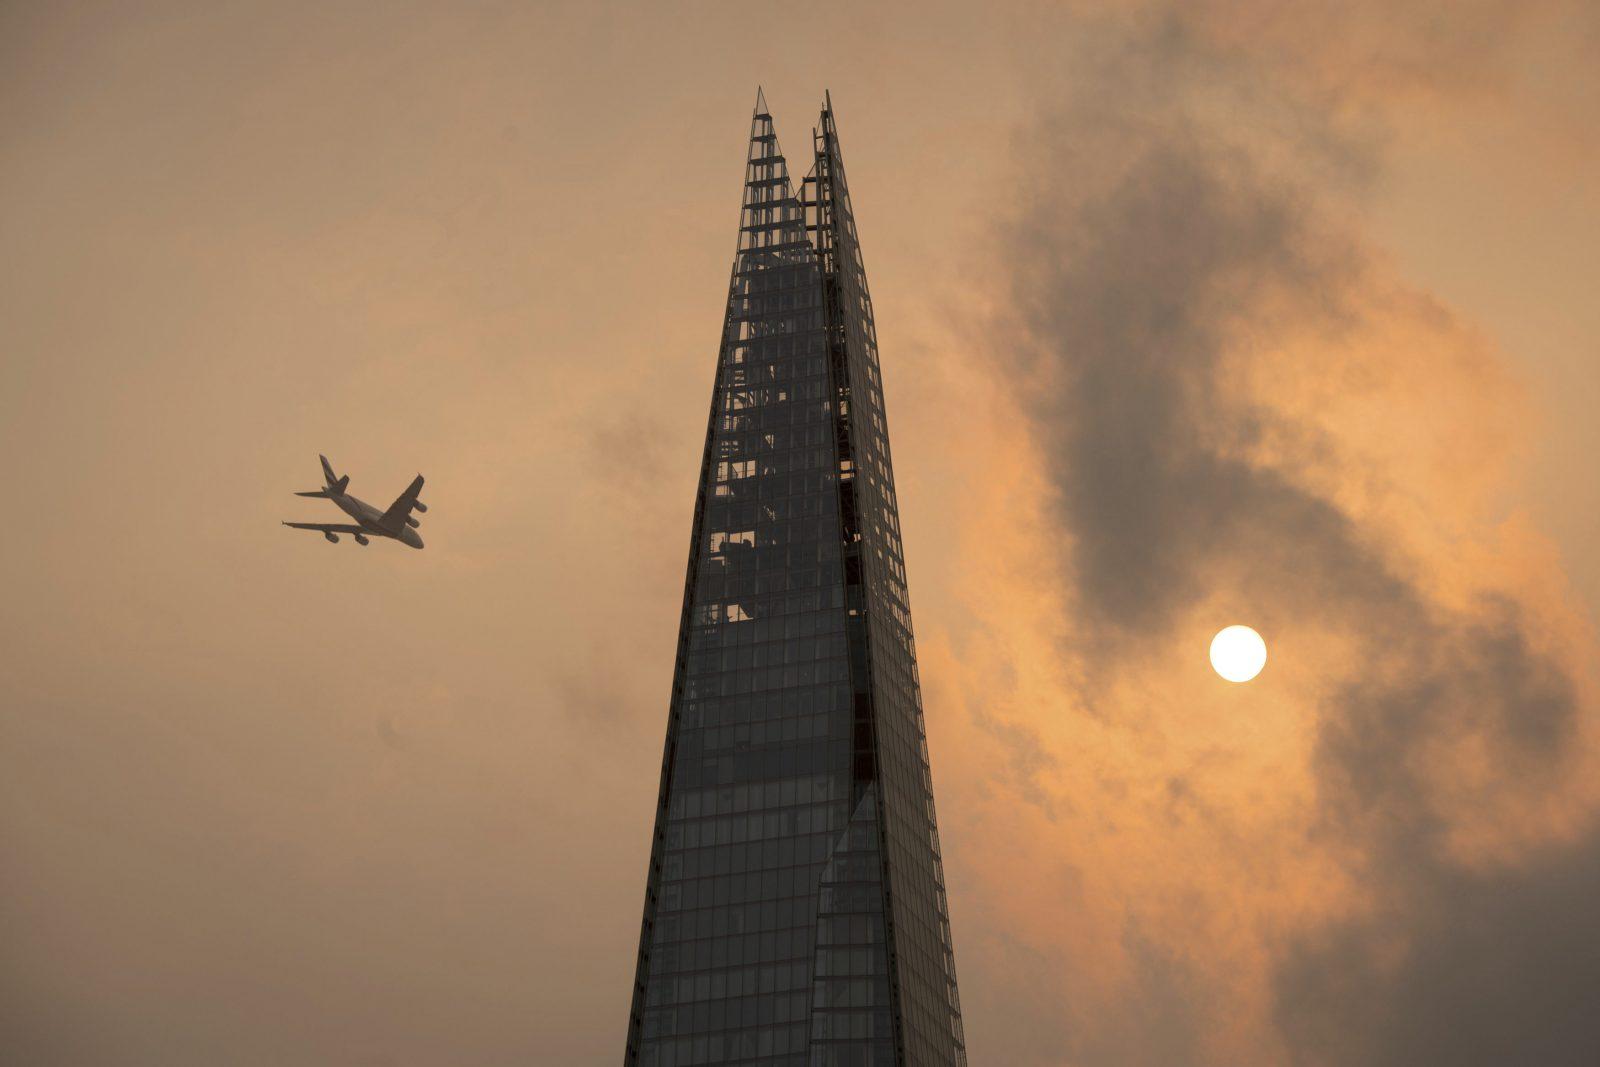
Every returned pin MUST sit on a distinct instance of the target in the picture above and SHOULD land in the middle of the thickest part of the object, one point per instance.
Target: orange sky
(1190, 314)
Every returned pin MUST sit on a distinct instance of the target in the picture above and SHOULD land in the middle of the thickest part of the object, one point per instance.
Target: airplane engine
(333, 538)
(421, 506)
(361, 539)
(412, 522)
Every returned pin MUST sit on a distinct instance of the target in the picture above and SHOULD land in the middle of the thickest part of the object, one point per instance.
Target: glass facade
(795, 910)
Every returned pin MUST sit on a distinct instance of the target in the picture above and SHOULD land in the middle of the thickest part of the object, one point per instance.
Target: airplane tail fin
(335, 483)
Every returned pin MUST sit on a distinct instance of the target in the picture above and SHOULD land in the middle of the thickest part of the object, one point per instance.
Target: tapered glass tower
(795, 908)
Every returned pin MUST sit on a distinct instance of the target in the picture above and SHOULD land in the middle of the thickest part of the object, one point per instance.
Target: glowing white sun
(1238, 653)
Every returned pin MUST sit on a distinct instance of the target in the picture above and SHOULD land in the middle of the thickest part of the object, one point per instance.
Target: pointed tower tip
(761, 101)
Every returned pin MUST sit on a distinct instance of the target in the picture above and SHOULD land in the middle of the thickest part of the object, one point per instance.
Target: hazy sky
(1191, 313)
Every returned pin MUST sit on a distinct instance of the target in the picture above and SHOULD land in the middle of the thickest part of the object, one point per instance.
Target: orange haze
(1191, 314)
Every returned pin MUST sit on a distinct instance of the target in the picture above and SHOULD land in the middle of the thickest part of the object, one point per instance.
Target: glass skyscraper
(795, 908)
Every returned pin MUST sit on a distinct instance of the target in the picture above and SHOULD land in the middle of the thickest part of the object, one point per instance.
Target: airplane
(396, 523)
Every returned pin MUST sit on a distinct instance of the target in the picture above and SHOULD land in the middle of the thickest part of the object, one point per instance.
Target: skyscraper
(795, 908)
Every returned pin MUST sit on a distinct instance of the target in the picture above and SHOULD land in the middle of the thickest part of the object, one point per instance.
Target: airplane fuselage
(370, 519)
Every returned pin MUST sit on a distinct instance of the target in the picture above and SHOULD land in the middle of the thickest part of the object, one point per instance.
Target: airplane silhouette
(396, 523)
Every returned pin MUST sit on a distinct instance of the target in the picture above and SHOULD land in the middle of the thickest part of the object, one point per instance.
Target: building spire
(772, 224)
(830, 938)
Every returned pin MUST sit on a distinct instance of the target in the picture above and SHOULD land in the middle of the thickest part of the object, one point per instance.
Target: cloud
(1466, 968)
(1235, 404)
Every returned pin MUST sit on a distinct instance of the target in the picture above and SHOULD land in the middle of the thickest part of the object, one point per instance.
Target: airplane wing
(400, 510)
(329, 527)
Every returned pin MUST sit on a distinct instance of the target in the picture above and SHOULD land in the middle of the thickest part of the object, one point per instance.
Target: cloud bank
(1234, 409)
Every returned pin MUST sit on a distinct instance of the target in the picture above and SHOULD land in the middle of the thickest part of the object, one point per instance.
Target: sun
(1238, 653)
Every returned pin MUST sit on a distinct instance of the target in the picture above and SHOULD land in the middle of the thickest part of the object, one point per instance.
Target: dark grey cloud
(1463, 968)
(1453, 964)
(1133, 298)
